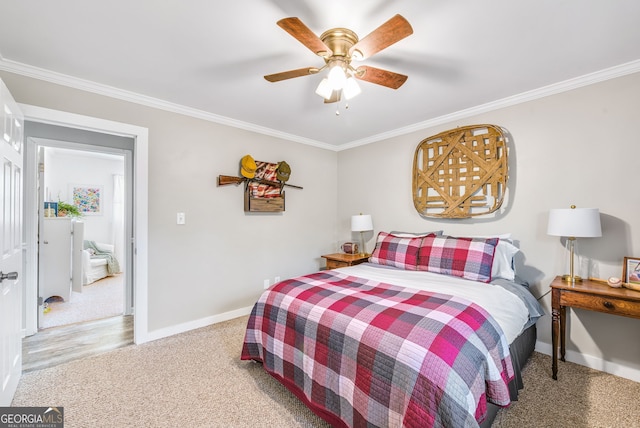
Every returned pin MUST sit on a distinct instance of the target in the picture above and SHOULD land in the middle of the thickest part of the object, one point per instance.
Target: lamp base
(363, 253)
(567, 279)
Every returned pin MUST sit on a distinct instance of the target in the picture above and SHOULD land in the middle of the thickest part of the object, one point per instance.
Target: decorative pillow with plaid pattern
(469, 258)
(400, 252)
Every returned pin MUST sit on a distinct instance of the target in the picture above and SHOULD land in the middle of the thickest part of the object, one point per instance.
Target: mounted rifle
(224, 180)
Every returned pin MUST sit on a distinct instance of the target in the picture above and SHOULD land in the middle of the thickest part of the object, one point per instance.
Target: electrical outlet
(276, 279)
(266, 283)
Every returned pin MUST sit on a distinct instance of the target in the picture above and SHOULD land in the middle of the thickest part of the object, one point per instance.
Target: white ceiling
(207, 57)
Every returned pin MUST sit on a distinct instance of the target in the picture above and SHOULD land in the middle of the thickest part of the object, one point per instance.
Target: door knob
(10, 275)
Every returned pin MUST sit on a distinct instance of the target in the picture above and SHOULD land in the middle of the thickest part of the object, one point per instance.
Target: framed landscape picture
(88, 198)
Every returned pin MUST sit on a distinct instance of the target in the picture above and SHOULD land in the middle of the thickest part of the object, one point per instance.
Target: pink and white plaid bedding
(396, 251)
(469, 258)
(363, 353)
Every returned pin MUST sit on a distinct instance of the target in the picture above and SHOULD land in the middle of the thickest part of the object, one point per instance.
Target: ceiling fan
(338, 47)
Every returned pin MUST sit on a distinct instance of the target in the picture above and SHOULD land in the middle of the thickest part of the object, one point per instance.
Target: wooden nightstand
(589, 295)
(338, 260)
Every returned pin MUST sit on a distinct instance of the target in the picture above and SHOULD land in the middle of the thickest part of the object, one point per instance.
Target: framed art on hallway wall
(88, 198)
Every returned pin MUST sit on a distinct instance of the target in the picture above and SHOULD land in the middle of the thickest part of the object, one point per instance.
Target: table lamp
(361, 223)
(574, 223)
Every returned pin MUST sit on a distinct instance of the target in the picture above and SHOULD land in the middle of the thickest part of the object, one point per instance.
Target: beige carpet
(101, 299)
(196, 379)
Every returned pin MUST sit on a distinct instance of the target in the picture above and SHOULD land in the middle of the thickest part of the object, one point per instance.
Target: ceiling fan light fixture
(337, 77)
(338, 47)
(351, 88)
(324, 89)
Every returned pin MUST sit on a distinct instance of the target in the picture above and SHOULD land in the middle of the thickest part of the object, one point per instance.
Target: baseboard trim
(199, 323)
(592, 362)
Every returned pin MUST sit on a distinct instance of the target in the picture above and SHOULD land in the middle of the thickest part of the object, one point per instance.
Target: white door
(11, 153)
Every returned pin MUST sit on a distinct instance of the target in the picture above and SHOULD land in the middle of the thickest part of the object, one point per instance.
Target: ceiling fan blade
(291, 74)
(392, 31)
(304, 35)
(335, 97)
(380, 77)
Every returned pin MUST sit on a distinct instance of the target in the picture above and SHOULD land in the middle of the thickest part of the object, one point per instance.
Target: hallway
(58, 345)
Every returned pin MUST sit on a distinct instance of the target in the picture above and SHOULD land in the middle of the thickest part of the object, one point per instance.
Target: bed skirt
(520, 350)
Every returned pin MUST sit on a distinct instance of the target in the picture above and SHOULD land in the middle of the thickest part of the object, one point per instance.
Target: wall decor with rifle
(264, 184)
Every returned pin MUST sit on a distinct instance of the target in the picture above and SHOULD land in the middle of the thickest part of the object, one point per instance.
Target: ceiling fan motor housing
(340, 41)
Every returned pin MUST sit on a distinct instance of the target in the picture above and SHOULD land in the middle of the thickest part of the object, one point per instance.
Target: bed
(428, 333)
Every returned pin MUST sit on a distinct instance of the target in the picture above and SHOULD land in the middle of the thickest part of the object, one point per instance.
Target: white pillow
(501, 236)
(502, 266)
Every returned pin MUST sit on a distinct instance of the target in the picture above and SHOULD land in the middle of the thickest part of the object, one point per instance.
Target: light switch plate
(181, 218)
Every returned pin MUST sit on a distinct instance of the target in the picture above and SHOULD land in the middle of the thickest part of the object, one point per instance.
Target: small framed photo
(631, 270)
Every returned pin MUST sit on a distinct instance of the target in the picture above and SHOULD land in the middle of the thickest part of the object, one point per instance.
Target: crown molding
(110, 91)
(113, 92)
(545, 91)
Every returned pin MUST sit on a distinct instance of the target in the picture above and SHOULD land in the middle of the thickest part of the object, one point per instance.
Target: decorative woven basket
(460, 173)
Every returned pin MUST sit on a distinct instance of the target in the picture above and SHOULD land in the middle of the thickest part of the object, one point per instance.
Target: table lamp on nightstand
(361, 223)
(574, 223)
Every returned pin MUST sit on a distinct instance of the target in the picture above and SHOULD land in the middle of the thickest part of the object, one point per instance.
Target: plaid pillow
(469, 258)
(395, 251)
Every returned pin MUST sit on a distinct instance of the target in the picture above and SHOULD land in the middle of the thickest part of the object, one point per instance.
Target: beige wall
(217, 262)
(580, 147)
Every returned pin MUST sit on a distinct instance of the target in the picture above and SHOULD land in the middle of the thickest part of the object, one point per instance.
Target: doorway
(136, 239)
(57, 234)
(86, 192)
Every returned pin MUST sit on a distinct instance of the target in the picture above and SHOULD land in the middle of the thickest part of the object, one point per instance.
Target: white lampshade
(574, 222)
(361, 223)
(337, 78)
(351, 88)
(324, 89)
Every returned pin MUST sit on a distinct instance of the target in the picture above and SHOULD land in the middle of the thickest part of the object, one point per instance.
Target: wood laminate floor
(57, 345)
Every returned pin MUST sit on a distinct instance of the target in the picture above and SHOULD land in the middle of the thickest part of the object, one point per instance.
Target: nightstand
(338, 260)
(589, 295)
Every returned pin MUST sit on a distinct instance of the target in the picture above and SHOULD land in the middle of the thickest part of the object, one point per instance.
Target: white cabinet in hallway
(55, 266)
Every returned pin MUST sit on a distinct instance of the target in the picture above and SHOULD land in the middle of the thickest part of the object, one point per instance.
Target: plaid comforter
(363, 353)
